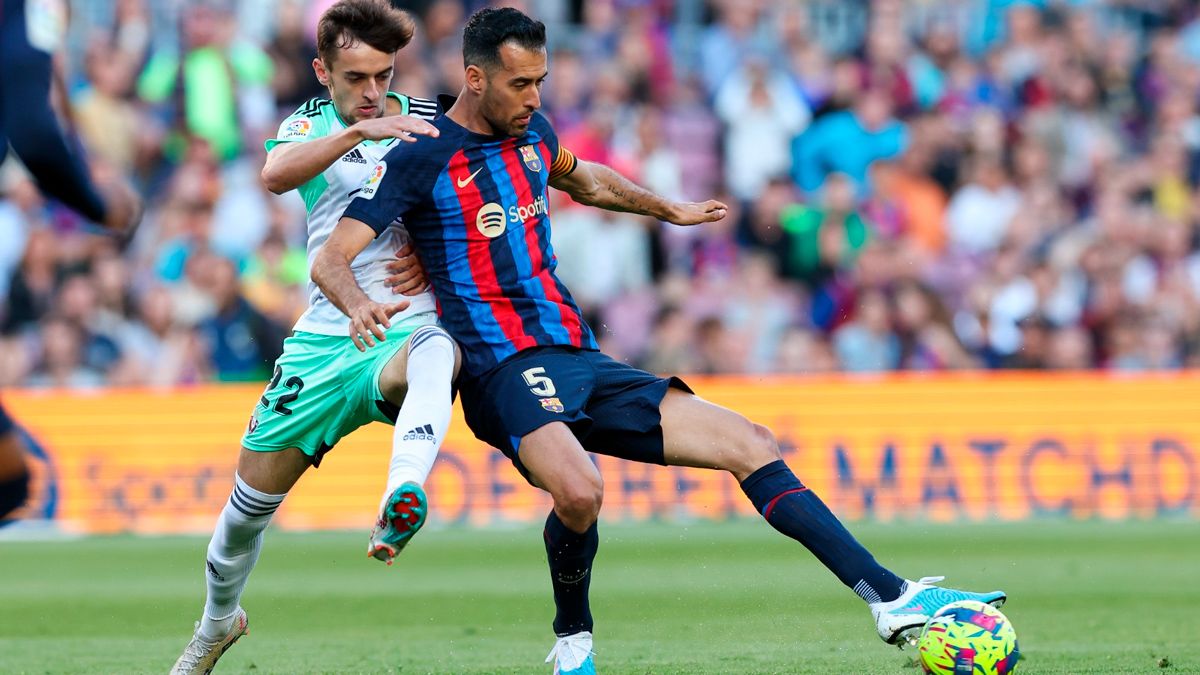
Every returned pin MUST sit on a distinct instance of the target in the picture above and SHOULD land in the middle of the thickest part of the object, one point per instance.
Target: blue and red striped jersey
(476, 209)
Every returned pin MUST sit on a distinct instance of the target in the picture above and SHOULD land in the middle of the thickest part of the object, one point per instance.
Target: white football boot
(900, 621)
(201, 654)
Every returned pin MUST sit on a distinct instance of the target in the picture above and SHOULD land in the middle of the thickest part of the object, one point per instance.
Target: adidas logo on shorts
(354, 156)
(424, 433)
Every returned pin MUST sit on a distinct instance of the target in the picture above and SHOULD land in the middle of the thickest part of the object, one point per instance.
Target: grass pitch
(702, 598)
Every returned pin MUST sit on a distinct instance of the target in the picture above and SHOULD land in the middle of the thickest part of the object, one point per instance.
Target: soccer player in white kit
(395, 366)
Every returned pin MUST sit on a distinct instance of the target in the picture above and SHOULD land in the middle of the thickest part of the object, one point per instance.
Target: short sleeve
(306, 124)
(397, 184)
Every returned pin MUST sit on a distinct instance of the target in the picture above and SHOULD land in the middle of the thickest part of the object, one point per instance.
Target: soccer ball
(966, 638)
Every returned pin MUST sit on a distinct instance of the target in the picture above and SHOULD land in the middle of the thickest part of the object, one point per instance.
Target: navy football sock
(797, 512)
(6, 422)
(570, 555)
(13, 493)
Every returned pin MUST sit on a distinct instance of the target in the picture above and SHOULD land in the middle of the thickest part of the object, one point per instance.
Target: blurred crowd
(923, 185)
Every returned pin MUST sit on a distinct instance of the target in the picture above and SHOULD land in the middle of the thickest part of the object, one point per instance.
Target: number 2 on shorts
(539, 384)
(292, 383)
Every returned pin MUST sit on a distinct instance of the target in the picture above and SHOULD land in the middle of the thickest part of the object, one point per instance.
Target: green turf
(702, 598)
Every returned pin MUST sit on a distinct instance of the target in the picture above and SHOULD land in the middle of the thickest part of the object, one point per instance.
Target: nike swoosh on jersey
(464, 182)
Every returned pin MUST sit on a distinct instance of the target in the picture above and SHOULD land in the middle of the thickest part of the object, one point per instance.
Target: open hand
(407, 274)
(694, 213)
(404, 127)
(366, 321)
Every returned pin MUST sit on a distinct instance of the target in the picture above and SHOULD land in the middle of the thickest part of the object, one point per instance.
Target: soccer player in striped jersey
(534, 384)
(30, 34)
(325, 384)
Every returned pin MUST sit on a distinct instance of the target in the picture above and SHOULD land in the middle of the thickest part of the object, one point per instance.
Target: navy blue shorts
(611, 407)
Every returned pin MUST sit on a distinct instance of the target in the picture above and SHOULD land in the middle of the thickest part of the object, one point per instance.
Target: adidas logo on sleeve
(355, 156)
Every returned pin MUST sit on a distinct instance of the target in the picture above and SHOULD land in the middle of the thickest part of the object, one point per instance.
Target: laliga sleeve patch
(297, 129)
(371, 185)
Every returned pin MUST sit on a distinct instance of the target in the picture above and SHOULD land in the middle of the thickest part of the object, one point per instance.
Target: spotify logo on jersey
(491, 220)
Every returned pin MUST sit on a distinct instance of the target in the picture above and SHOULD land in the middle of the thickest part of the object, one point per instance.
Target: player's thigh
(702, 434)
(555, 461)
(304, 405)
(272, 472)
(625, 409)
(529, 391)
(393, 376)
(377, 379)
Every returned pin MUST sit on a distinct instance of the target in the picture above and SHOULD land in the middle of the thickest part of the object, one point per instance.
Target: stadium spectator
(242, 343)
(847, 142)
(867, 343)
(762, 112)
(60, 363)
(215, 87)
(109, 123)
(980, 212)
(824, 239)
(163, 351)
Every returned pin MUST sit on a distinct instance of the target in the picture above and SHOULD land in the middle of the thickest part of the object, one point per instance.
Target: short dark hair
(374, 22)
(489, 28)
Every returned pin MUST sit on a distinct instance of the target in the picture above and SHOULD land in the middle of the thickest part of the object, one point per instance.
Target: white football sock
(425, 414)
(232, 553)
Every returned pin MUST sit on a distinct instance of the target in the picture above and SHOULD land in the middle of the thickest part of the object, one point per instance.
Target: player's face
(513, 91)
(358, 81)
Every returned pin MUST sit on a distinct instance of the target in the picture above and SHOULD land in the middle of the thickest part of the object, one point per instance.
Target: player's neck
(466, 114)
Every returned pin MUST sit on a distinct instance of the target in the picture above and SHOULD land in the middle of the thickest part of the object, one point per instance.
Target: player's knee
(578, 502)
(13, 493)
(757, 448)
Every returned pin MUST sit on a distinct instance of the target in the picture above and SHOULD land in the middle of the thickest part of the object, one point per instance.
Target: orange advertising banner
(950, 447)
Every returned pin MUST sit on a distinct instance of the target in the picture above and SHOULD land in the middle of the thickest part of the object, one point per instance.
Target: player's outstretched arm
(290, 165)
(331, 272)
(50, 152)
(598, 185)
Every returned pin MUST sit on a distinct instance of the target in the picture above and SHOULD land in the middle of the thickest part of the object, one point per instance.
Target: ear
(476, 79)
(322, 74)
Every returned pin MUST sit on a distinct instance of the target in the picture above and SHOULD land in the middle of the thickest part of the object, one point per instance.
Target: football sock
(6, 422)
(425, 414)
(570, 555)
(796, 511)
(232, 553)
(13, 493)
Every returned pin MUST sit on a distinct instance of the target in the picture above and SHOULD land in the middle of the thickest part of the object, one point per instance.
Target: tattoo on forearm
(628, 196)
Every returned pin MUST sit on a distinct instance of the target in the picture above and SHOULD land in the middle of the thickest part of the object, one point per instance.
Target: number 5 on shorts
(539, 384)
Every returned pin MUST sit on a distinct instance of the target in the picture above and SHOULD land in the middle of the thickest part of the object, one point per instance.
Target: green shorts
(323, 388)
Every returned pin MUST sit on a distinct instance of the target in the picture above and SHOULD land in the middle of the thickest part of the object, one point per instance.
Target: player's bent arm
(600, 186)
(290, 165)
(332, 274)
